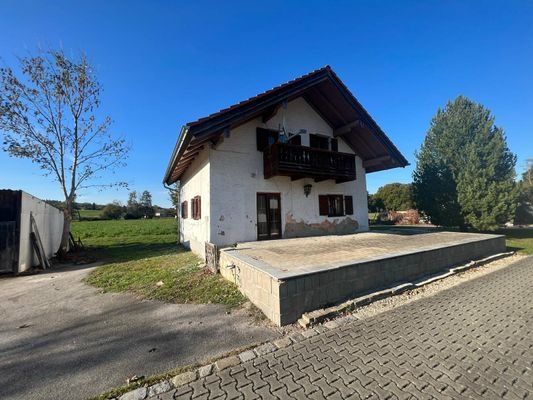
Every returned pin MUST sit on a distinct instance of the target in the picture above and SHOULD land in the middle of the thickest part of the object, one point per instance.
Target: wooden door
(268, 216)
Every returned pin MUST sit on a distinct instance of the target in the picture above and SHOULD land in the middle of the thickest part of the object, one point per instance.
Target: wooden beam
(343, 130)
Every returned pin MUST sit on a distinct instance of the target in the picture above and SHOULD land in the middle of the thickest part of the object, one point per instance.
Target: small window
(196, 207)
(319, 142)
(331, 205)
(184, 210)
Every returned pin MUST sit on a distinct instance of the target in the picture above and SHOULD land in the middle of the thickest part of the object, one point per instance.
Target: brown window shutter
(348, 205)
(199, 207)
(184, 210)
(193, 208)
(323, 205)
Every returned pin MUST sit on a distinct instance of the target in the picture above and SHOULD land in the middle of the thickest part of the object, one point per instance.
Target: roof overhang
(326, 94)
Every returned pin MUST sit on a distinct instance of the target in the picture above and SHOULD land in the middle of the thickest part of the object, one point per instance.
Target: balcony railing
(306, 162)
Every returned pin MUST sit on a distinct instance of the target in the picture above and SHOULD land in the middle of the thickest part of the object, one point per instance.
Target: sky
(165, 63)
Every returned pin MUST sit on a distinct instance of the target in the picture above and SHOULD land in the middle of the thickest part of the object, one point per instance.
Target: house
(289, 162)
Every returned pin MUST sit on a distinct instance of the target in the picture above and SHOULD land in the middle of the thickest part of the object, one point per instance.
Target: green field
(143, 257)
(88, 214)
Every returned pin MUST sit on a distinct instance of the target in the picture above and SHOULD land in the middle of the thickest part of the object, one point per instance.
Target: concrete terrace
(285, 278)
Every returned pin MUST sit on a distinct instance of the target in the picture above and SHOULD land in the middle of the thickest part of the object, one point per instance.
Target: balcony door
(268, 216)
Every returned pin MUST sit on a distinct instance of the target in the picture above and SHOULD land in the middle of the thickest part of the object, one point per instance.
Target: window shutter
(193, 208)
(199, 207)
(323, 205)
(334, 145)
(184, 210)
(348, 205)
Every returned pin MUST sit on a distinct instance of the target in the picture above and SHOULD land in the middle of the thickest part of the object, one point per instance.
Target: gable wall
(237, 176)
(195, 181)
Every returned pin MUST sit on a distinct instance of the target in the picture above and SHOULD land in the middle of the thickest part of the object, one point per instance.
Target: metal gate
(8, 246)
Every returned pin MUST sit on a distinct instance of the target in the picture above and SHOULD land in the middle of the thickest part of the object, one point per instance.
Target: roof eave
(179, 148)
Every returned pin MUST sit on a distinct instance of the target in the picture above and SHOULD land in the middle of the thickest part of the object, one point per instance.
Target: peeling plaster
(299, 228)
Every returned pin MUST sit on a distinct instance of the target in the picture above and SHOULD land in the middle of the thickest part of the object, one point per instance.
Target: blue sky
(164, 63)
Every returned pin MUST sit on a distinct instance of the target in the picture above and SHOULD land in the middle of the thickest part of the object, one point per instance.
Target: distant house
(286, 163)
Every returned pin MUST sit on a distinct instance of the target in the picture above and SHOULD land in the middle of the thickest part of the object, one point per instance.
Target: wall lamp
(307, 189)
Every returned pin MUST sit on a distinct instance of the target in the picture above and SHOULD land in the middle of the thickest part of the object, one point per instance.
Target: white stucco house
(289, 162)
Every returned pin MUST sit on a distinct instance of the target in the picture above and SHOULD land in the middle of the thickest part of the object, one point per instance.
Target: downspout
(178, 211)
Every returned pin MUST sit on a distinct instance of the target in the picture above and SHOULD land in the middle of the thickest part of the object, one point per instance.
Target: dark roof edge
(179, 148)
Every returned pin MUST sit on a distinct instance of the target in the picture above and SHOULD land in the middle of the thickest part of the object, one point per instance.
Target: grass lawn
(88, 213)
(143, 258)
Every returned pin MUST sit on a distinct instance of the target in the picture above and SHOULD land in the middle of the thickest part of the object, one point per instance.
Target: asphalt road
(474, 340)
(62, 339)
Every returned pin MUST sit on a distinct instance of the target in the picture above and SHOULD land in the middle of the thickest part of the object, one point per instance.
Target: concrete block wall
(284, 300)
(260, 288)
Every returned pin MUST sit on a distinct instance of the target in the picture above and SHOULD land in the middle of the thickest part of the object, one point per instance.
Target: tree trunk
(64, 247)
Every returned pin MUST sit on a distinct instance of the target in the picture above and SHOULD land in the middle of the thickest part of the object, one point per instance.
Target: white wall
(195, 182)
(49, 222)
(237, 175)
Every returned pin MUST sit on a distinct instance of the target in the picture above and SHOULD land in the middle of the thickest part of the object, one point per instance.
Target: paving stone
(158, 388)
(205, 370)
(283, 342)
(227, 362)
(265, 349)
(247, 355)
(470, 341)
(137, 394)
(309, 333)
(183, 379)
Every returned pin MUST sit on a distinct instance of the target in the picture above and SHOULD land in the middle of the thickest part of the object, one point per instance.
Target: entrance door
(268, 216)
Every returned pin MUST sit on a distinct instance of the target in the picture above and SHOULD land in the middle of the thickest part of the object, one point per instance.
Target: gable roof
(326, 94)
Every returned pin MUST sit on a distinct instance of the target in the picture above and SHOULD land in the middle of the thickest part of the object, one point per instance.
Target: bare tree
(49, 114)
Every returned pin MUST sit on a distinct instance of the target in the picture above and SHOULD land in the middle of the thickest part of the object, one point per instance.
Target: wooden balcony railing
(306, 162)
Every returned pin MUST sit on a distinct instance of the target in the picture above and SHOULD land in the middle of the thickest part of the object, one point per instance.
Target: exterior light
(307, 189)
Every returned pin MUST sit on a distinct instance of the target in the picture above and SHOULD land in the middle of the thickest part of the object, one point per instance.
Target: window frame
(336, 205)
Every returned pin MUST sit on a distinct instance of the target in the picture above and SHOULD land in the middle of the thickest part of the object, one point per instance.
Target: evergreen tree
(465, 171)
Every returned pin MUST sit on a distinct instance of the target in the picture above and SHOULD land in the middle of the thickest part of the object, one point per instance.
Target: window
(335, 205)
(319, 142)
(323, 142)
(196, 207)
(296, 139)
(184, 210)
(266, 137)
(348, 205)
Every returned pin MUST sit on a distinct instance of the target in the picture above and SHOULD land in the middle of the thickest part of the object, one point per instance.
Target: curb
(311, 321)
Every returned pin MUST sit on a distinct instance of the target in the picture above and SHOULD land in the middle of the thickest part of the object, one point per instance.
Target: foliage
(112, 211)
(375, 204)
(145, 205)
(49, 115)
(394, 196)
(524, 211)
(465, 171)
(174, 196)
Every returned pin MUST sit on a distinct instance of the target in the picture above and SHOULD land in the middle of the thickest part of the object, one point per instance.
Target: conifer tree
(465, 171)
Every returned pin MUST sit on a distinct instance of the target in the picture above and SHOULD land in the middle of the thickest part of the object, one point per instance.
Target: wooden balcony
(306, 162)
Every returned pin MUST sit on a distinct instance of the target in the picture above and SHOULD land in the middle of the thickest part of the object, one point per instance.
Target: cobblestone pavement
(474, 340)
